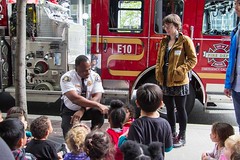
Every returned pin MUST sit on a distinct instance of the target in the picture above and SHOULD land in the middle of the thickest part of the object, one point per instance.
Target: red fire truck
(125, 38)
(126, 35)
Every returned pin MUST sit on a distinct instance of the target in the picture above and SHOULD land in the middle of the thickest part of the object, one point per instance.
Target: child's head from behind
(220, 132)
(116, 114)
(76, 136)
(41, 127)
(236, 152)
(149, 97)
(98, 145)
(19, 116)
(13, 133)
(232, 146)
(17, 109)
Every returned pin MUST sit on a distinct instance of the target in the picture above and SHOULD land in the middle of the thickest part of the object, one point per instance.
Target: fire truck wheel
(189, 103)
(44, 86)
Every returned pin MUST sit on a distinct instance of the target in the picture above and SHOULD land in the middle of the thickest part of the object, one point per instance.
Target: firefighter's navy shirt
(72, 81)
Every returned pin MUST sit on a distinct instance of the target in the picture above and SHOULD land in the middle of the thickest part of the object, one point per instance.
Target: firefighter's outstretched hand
(77, 116)
(103, 109)
(228, 92)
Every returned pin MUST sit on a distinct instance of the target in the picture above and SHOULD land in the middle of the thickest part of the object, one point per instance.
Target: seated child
(116, 118)
(219, 133)
(23, 120)
(20, 110)
(150, 127)
(130, 115)
(13, 133)
(75, 142)
(5, 150)
(133, 150)
(232, 148)
(17, 109)
(40, 146)
(236, 152)
(98, 145)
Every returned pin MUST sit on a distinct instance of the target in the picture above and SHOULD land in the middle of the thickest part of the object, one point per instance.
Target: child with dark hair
(116, 118)
(19, 110)
(5, 150)
(13, 133)
(98, 145)
(130, 115)
(75, 142)
(21, 117)
(219, 133)
(136, 151)
(42, 148)
(150, 127)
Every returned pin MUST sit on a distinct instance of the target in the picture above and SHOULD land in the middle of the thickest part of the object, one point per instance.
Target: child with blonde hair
(75, 142)
(219, 133)
(232, 148)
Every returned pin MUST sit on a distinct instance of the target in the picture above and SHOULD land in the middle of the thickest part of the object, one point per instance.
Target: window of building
(126, 16)
(219, 17)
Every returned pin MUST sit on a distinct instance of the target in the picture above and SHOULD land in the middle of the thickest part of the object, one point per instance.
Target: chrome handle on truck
(105, 45)
(156, 46)
(97, 40)
(191, 31)
(197, 48)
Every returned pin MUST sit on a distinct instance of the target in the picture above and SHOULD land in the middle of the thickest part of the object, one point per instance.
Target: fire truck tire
(44, 86)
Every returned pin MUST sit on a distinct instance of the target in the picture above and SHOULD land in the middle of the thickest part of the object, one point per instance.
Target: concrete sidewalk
(198, 139)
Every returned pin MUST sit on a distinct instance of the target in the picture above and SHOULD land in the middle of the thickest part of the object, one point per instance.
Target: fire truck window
(126, 16)
(219, 17)
(164, 8)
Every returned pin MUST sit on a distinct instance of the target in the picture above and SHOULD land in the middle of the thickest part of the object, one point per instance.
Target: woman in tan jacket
(175, 59)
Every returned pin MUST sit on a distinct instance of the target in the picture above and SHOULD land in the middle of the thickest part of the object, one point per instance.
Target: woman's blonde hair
(76, 136)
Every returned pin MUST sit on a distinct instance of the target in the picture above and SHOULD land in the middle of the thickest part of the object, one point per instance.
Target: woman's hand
(228, 92)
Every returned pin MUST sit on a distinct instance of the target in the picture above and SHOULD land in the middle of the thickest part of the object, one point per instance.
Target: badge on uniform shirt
(89, 83)
(177, 52)
(66, 79)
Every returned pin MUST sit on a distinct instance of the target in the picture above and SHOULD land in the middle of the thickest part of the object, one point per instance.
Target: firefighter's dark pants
(93, 114)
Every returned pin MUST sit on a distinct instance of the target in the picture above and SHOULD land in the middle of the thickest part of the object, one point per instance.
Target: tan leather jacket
(182, 58)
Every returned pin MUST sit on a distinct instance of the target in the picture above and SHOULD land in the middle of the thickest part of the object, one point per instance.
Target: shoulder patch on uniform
(98, 78)
(66, 79)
